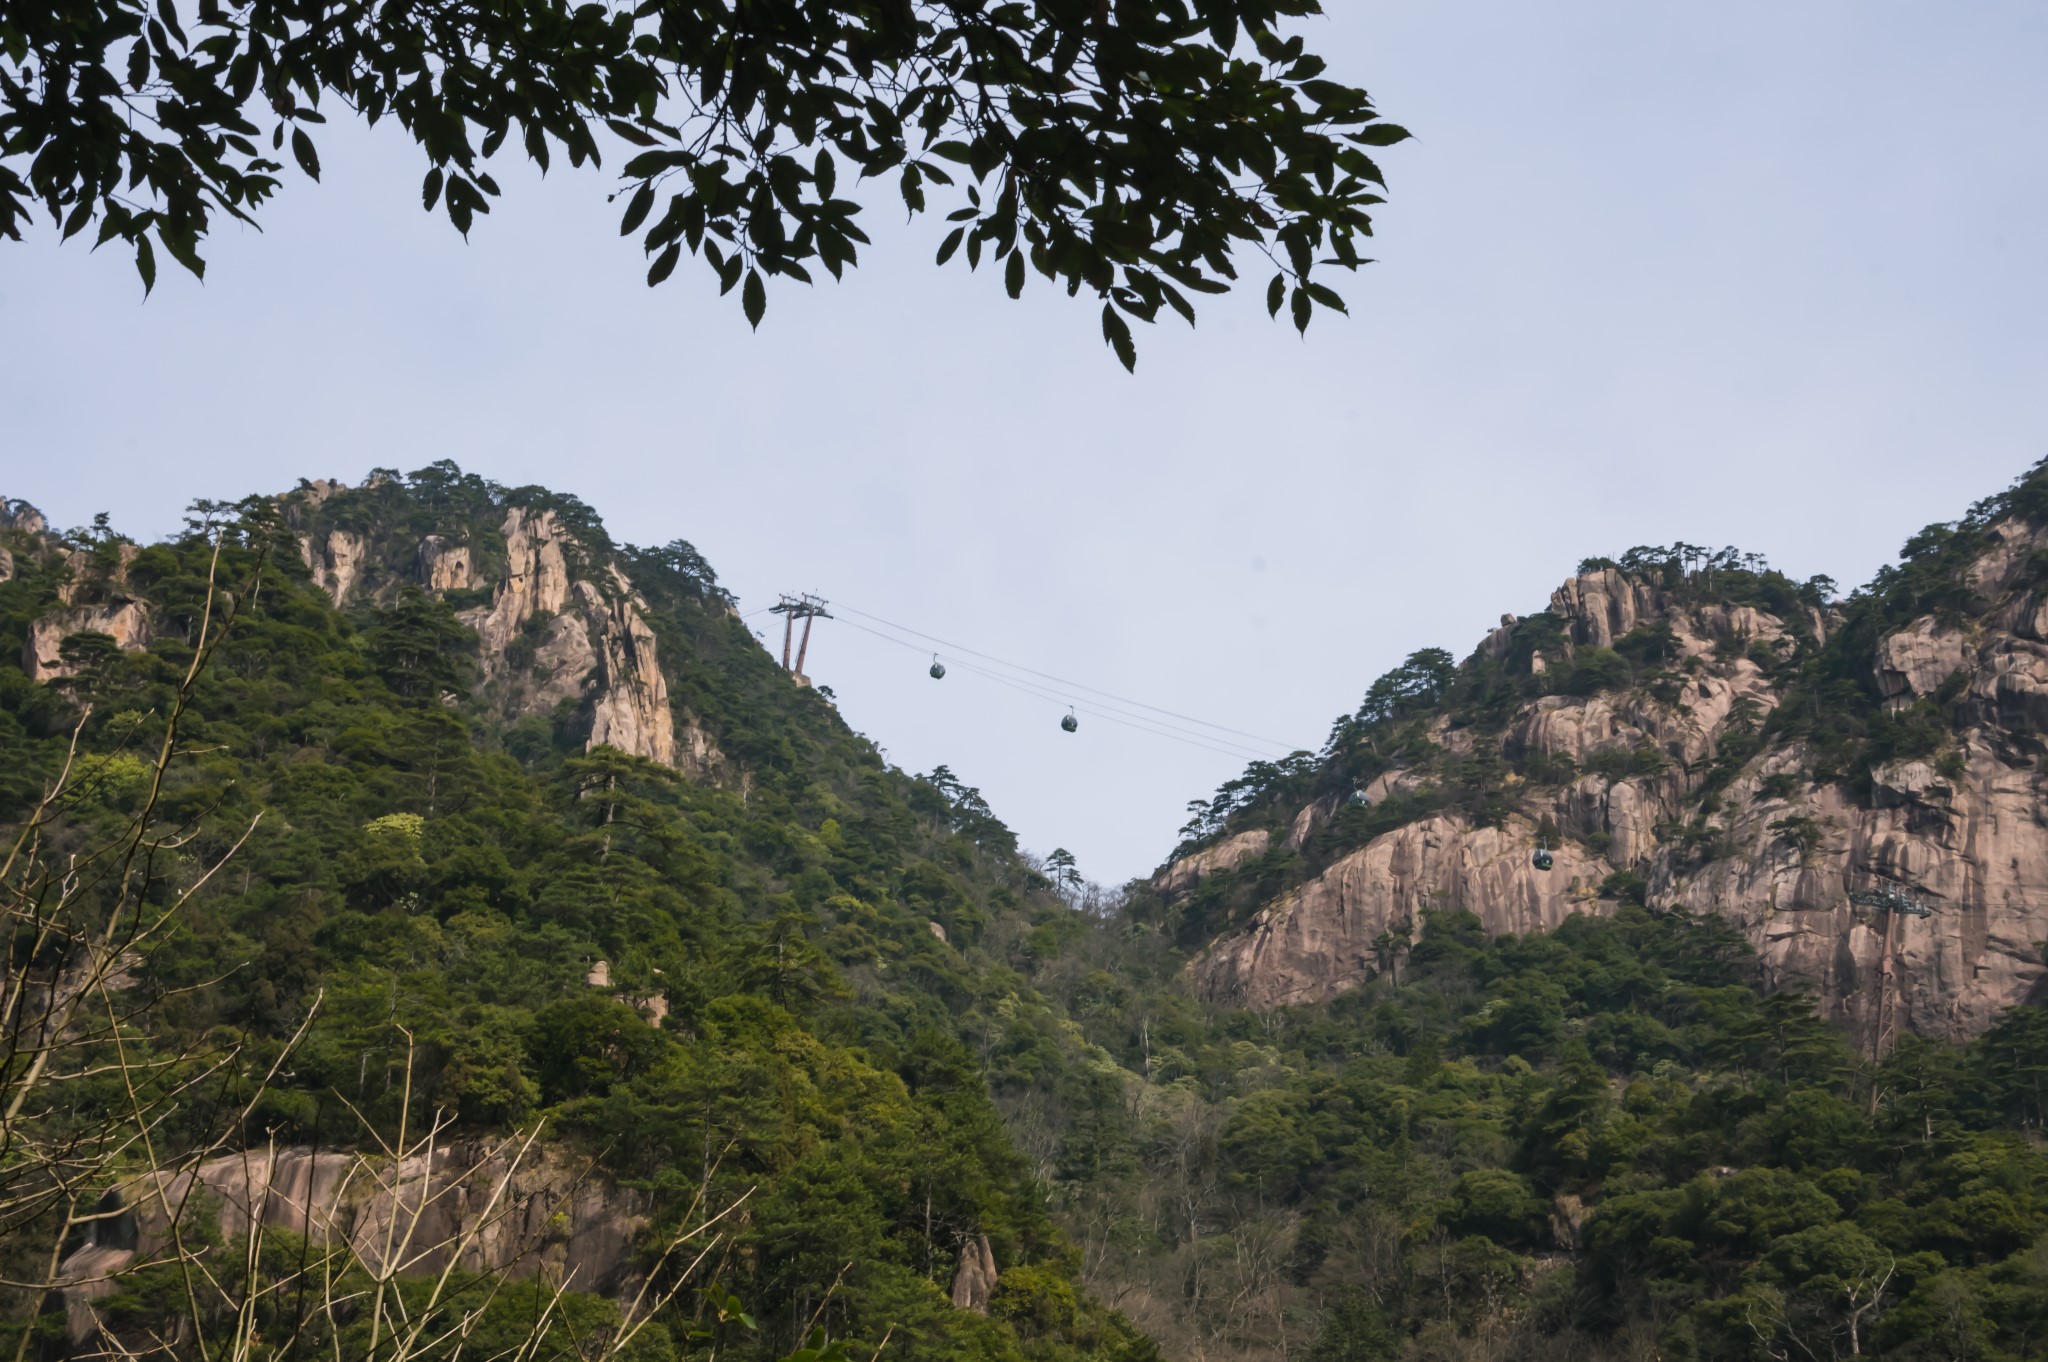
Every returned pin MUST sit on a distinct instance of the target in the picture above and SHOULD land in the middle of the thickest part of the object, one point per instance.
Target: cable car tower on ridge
(791, 608)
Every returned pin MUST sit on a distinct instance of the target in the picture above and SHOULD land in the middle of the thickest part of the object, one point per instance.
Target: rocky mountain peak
(1701, 734)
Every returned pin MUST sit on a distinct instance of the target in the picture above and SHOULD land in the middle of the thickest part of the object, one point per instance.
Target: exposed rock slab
(1327, 936)
(476, 1203)
(1773, 850)
(1228, 854)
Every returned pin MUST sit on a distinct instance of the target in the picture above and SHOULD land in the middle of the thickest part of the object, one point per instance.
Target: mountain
(528, 833)
(1695, 732)
(447, 916)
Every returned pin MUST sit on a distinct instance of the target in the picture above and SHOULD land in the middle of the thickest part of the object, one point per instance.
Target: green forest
(834, 1003)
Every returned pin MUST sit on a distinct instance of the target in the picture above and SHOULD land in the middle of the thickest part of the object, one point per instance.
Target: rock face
(975, 1279)
(1768, 846)
(336, 562)
(1189, 871)
(535, 582)
(585, 641)
(562, 625)
(475, 1203)
(445, 566)
(95, 600)
(127, 622)
(19, 515)
(1332, 933)
(633, 712)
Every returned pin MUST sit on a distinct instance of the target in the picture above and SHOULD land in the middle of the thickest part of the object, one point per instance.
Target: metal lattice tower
(806, 607)
(1894, 902)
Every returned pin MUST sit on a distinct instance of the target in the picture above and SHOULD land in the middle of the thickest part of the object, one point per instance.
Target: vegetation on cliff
(798, 974)
(810, 975)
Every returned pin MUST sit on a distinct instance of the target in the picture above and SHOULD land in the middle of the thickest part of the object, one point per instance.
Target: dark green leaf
(637, 209)
(1117, 332)
(754, 299)
(664, 264)
(630, 133)
(303, 153)
(1328, 298)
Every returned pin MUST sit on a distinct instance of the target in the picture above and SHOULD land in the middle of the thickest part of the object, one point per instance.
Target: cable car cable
(1142, 723)
(1076, 685)
(1207, 742)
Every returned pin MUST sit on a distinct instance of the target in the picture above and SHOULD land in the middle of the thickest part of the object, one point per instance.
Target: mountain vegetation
(783, 983)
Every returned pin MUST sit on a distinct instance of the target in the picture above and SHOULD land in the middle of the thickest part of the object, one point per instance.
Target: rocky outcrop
(975, 1279)
(535, 583)
(126, 622)
(1764, 844)
(558, 628)
(1603, 605)
(336, 562)
(549, 636)
(445, 566)
(1970, 844)
(1914, 662)
(632, 711)
(478, 1204)
(1228, 854)
(19, 515)
(1352, 921)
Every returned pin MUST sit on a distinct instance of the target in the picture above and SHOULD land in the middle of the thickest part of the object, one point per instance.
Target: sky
(1751, 274)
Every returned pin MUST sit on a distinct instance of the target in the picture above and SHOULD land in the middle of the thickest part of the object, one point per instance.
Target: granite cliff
(1696, 732)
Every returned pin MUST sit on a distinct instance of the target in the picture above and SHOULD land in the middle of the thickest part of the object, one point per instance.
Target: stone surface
(633, 712)
(127, 622)
(336, 562)
(19, 515)
(1189, 871)
(588, 641)
(1915, 661)
(1773, 851)
(445, 566)
(477, 1203)
(1326, 936)
(975, 1278)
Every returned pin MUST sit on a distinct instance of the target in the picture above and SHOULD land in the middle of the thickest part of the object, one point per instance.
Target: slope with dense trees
(807, 979)
(771, 974)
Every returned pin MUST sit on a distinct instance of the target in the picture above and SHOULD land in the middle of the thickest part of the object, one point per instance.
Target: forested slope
(787, 970)
(543, 839)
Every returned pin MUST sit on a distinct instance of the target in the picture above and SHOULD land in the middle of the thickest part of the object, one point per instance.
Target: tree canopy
(1138, 149)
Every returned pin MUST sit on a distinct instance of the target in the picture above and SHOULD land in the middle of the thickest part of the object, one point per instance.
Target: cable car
(938, 667)
(1070, 723)
(1541, 858)
(1358, 800)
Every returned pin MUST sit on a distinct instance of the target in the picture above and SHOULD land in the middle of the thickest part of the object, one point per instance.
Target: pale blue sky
(1757, 274)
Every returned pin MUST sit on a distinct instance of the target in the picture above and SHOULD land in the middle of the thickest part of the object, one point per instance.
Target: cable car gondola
(1070, 723)
(938, 668)
(1541, 857)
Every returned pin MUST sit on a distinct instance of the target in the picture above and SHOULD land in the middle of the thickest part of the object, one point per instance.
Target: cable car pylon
(809, 608)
